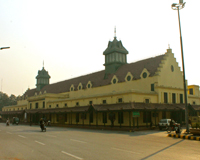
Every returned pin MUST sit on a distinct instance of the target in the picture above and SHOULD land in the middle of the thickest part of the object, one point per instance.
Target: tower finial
(168, 46)
(115, 32)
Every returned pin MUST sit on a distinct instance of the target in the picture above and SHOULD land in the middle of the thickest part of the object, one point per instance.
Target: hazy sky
(70, 36)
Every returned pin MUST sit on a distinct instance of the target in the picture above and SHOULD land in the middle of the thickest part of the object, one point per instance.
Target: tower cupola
(115, 56)
(42, 79)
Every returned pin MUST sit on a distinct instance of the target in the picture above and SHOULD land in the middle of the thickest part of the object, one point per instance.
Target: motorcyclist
(7, 122)
(171, 123)
(41, 123)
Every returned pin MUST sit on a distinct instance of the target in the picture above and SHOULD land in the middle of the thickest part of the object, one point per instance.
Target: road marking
(9, 133)
(71, 155)
(125, 150)
(50, 135)
(77, 141)
(21, 136)
(40, 142)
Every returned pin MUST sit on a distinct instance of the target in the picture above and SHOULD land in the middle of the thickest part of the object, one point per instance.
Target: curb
(184, 136)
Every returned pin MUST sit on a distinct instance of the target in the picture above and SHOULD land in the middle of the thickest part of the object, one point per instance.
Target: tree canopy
(6, 100)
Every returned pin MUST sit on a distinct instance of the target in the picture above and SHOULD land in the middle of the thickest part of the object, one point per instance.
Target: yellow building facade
(123, 95)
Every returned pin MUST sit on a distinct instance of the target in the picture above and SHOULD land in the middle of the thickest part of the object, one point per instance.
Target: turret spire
(115, 32)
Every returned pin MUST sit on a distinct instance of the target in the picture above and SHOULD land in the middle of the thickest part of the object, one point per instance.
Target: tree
(5, 100)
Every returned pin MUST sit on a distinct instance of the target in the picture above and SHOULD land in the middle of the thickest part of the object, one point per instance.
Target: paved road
(29, 143)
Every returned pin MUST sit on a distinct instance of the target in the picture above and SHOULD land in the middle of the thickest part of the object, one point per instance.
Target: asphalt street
(29, 143)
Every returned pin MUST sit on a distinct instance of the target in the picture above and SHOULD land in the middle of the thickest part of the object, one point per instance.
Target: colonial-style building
(123, 94)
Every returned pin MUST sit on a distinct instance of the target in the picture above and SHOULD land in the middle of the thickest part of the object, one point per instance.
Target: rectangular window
(65, 104)
(104, 117)
(146, 117)
(181, 98)
(193, 102)
(152, 87)
(119, 100)
(91, 117)
(43, 104)
(146, 100)
(49, 106)
(104, 101)
(120, 117)
(90, 102)
(36, 105)
(57, 105)
(77, 103)
(165, 97)
(173, 98)
(163, 114)
(30, 105)
(191, 91)
(77, 117)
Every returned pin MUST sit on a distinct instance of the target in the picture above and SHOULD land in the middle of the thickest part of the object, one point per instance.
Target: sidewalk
(184, 135)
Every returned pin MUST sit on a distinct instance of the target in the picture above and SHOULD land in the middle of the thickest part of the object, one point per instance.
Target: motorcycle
(7, 123)
(43, 127)
(176, 127)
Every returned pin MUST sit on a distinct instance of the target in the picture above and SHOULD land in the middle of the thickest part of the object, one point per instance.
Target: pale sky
(70, 36)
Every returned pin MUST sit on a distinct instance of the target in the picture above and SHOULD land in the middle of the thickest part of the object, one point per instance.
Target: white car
(164, 123)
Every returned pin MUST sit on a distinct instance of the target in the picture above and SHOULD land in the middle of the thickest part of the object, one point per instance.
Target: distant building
(123, 95)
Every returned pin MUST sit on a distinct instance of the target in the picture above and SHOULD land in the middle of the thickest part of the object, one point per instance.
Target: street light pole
(178, 6)
(4, 48)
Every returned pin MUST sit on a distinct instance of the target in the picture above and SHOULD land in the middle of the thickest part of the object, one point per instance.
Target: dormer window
(80, 86)
(89, 85)
(145, 73)
(72, 88)
(128, 77)
(114, 80)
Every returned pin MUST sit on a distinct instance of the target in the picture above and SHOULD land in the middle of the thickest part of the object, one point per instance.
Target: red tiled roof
(97, 78)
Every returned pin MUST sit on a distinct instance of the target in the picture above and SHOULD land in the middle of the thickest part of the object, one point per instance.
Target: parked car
(164, 123)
